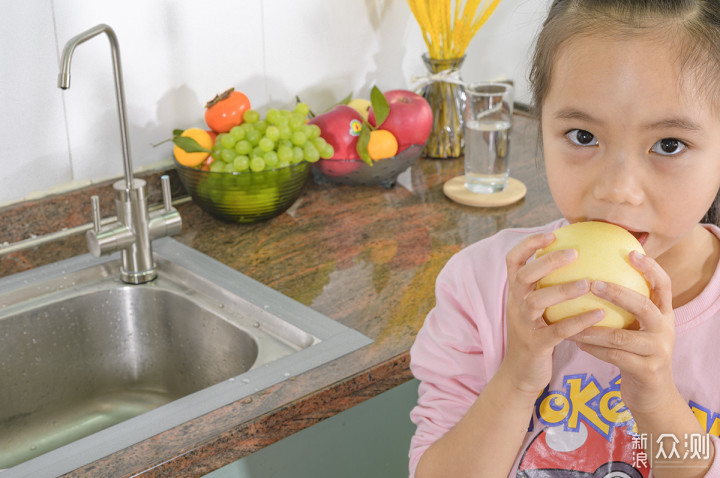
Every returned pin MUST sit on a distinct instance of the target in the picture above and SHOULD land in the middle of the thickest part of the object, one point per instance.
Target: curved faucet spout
(135, 228)
(64, 83)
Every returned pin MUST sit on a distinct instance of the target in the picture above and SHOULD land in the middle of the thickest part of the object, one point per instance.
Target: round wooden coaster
(455, 190)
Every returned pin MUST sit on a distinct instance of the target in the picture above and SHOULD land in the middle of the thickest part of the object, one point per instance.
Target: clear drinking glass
(488, 122)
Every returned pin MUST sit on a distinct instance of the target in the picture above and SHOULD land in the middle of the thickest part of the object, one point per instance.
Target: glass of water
(488, 121)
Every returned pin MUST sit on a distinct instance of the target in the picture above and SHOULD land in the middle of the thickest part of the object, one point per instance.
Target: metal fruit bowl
(245, 197)
(356, 172)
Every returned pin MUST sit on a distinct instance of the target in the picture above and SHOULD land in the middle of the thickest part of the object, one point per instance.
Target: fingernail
(599, 285)
(637, 255)
(582, 284)
(570, 253)
(549, 236)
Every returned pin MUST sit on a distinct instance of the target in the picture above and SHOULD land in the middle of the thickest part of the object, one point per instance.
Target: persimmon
(226, 110)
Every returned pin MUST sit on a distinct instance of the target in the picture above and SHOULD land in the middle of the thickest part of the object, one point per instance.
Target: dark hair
(693, 26)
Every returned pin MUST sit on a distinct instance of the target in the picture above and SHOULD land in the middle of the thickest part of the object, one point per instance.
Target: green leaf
(189, 145)
(362, 144)
(379, 105)
(176, 133)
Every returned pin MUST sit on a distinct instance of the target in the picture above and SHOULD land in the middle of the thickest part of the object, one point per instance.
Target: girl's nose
(619, 181)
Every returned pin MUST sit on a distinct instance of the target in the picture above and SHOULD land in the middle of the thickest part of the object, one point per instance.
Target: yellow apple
(360, 105)
(603, 251)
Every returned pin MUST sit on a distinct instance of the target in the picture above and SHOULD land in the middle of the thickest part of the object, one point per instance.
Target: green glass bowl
(245, 197)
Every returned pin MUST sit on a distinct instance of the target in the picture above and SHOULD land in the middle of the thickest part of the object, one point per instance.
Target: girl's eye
(582, 137)
(668, 147)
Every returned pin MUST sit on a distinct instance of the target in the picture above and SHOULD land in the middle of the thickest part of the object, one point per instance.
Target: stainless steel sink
(90, 365)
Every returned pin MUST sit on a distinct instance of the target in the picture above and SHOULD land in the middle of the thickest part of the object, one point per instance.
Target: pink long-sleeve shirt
(579, 423)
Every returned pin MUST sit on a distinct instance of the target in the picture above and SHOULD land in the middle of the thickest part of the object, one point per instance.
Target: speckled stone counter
(364, 256)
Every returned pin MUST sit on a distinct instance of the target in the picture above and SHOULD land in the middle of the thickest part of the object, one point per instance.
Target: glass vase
(447, 100)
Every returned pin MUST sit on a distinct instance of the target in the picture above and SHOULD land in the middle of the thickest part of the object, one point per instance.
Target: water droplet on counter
(231, 379)
(286, 374)
(245, 380)
(256, 325)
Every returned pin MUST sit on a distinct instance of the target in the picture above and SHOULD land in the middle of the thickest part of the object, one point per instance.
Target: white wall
(177, 54)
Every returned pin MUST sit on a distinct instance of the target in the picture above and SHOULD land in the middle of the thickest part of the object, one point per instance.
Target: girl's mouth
(642, 237)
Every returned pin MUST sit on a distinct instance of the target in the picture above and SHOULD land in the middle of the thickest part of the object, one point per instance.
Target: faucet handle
(114, 237)
(95, 205)
(165, 222)
(166, 194)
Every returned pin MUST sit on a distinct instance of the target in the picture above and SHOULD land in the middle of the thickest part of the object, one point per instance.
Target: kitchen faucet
(134, 228)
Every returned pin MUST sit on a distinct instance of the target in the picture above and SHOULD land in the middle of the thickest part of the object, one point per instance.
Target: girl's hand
(530, 341)
(644, 356)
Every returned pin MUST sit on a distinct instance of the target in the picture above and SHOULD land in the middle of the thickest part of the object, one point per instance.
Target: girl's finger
(660, 286)
(523, 251)
(539, 300)
(622, 359)
(608, 338)
(570, 327)
(645, 311)
(539, 268)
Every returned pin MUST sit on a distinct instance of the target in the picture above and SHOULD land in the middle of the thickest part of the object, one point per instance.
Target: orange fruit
(194, 159)
(382, 144)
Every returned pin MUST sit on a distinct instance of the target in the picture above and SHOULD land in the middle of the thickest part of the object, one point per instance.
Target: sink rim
(334, 341)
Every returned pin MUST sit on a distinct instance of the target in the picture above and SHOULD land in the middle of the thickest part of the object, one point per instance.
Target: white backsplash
(177, 54)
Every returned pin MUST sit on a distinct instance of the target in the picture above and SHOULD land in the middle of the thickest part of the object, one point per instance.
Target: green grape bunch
(279, 140)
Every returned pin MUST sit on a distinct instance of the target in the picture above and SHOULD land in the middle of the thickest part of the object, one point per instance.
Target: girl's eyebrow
(682, 123)
(574, 114)
(675, 123)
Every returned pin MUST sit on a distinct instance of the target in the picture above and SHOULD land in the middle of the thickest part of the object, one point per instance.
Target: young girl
(628, 96)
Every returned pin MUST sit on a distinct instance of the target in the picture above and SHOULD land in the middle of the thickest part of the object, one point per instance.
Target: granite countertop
(364, 256)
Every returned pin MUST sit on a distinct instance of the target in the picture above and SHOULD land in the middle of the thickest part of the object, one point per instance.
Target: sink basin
(91, 365)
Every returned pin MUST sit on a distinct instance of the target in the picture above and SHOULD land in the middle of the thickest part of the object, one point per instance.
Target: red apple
(340, 127)
(410, 118)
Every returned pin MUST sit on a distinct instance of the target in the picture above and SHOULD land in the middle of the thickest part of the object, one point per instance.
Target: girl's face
(626, 141)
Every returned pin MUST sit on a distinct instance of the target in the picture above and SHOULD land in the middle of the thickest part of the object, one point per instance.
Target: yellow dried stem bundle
(448, 25)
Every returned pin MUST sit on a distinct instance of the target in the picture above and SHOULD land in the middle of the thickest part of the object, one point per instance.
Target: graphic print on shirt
(584, 453)
(586, 431)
